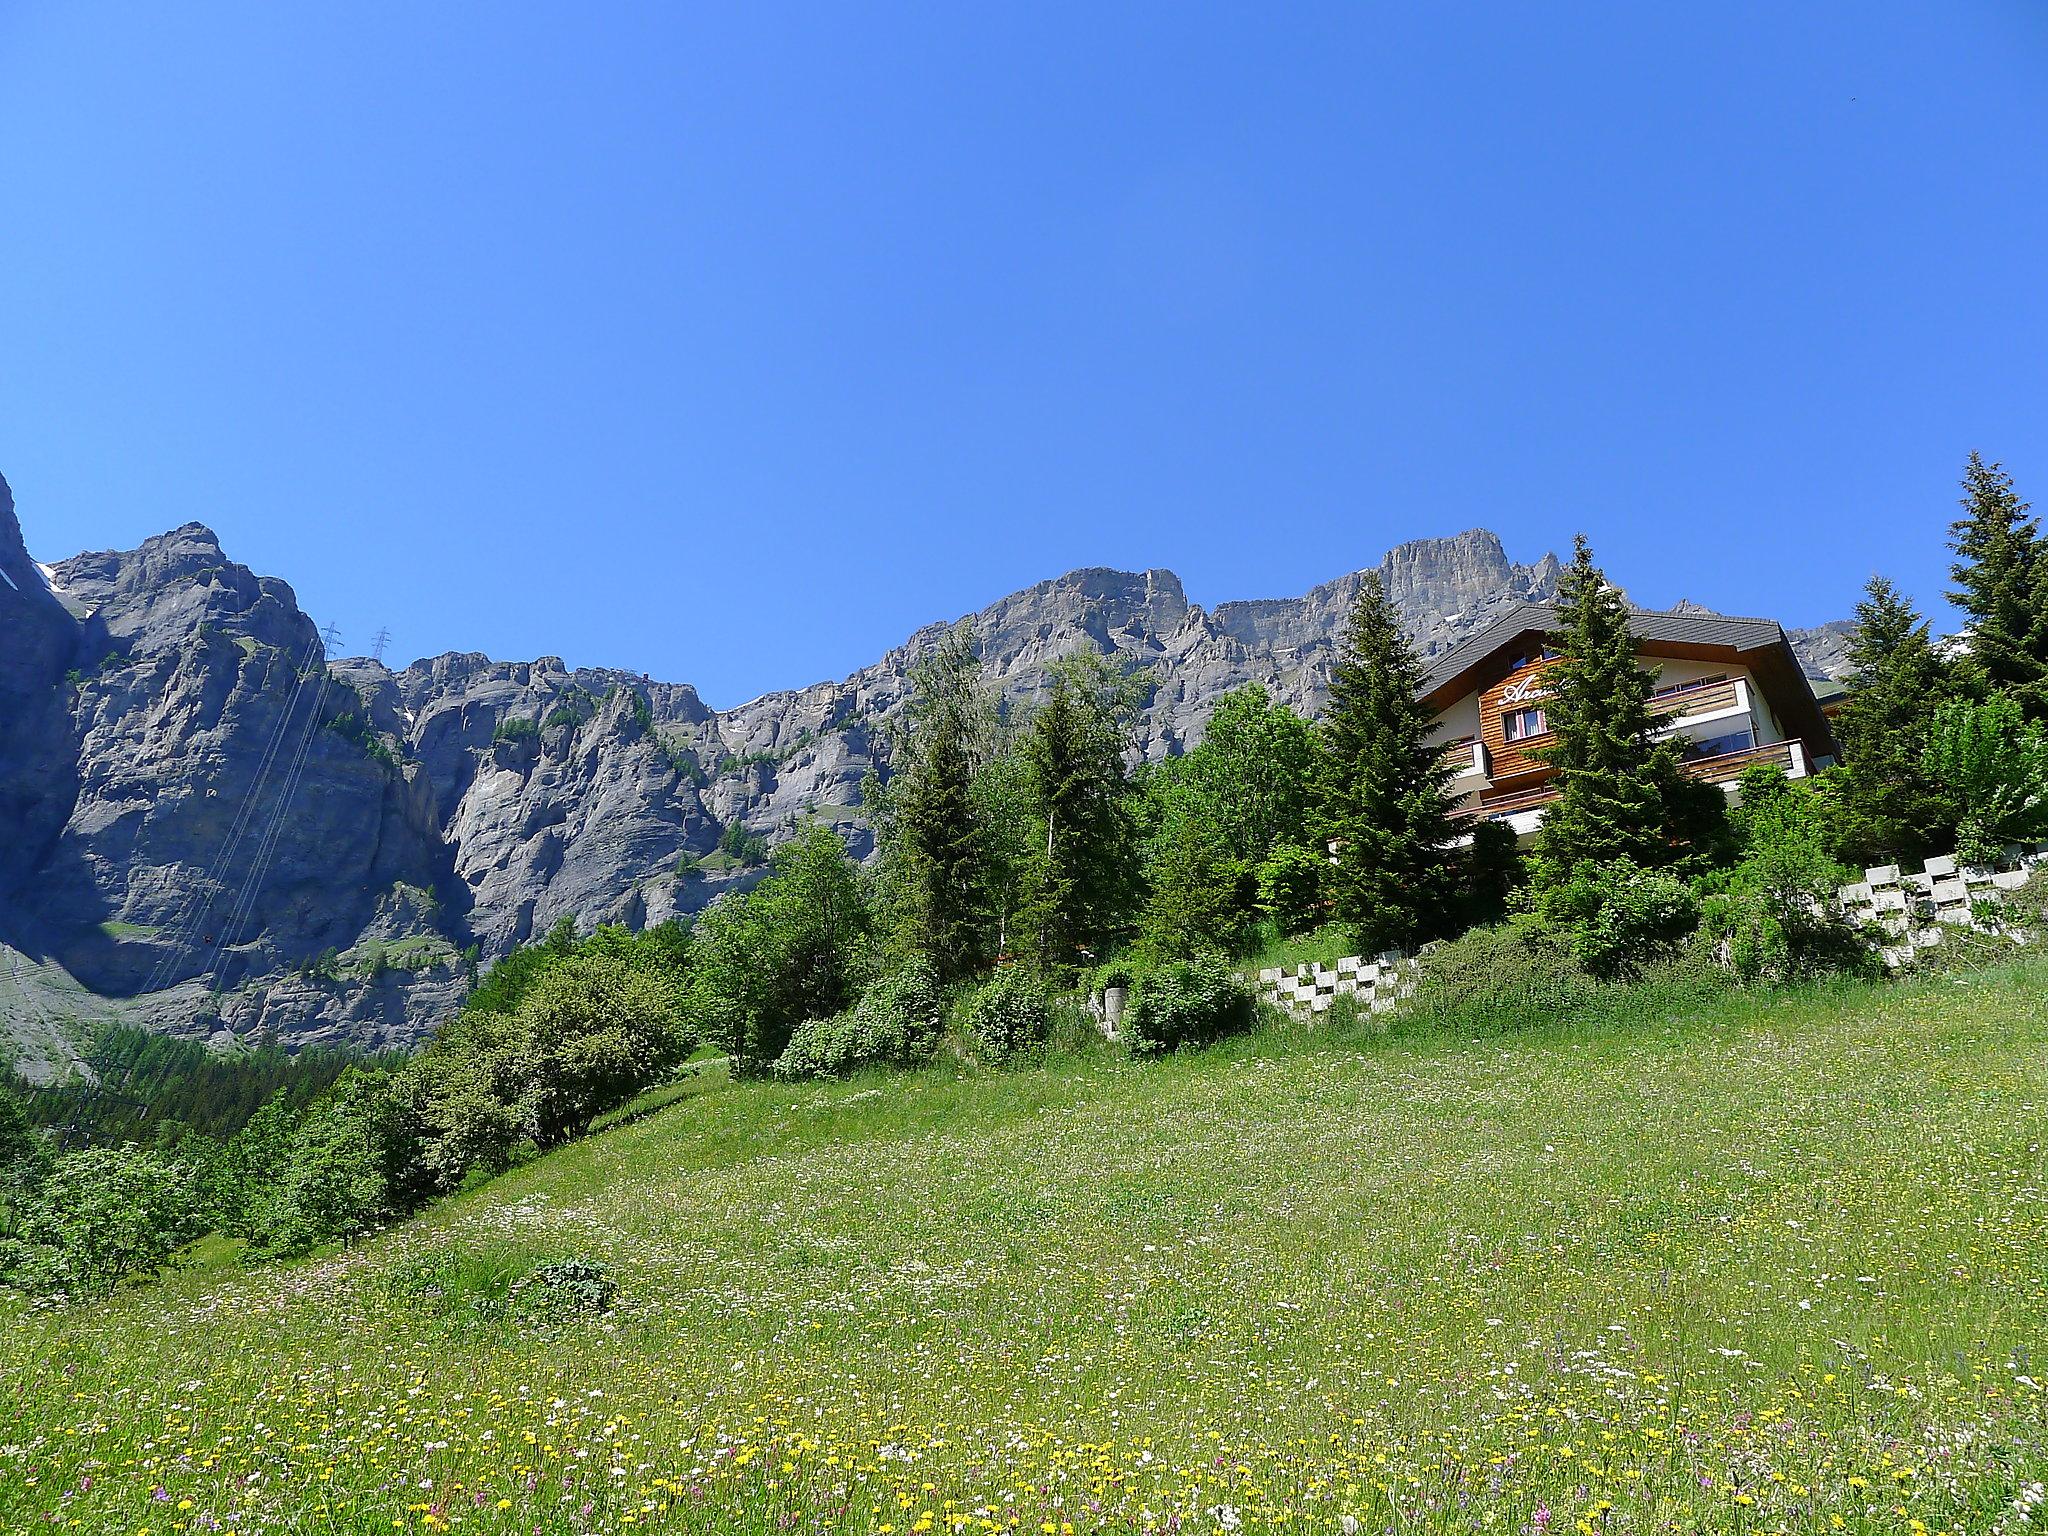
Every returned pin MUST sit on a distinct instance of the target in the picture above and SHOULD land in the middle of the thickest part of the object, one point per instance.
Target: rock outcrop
(219, 830)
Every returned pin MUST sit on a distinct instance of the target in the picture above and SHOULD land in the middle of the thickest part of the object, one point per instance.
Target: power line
(199, 900)
(266, 848)
(330, 639)
(377, 645)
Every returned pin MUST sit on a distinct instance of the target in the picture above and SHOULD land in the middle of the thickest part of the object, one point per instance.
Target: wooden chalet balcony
(1697, 698)
(1723, 769)
(1465, 757)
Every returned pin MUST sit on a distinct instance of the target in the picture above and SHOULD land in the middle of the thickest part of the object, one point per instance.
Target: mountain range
(210, 827)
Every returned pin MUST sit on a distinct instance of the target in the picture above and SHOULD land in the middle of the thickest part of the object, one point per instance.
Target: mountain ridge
(218, 830)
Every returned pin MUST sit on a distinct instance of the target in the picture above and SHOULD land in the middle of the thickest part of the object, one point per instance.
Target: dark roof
(1646, 624)
(1772, 662)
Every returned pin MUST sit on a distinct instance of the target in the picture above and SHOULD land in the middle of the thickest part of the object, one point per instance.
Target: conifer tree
(1891, 807)
(2001, 577)
(1081, 883)
(939, 842)
(1621, 793)
(1386, 800)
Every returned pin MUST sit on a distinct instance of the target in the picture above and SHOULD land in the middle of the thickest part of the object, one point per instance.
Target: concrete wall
(1914, 910)
(1378, 984)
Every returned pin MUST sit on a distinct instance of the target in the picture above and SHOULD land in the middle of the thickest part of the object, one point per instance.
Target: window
(1720, 746)
(1521, 724)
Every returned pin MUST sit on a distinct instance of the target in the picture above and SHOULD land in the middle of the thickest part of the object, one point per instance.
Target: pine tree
(2001, 577)
(1621, 793)
(1081, 884)
(1891, 808)
(939, 844)
(1386, 801)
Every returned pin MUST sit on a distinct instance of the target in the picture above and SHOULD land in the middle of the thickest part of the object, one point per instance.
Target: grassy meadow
(1778, 1262)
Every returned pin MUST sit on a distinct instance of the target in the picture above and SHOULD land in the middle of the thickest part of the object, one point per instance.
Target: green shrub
(1292, 880)
(1774, 914)
(561, 1289)
(1494, 980)
(1008, 1014)
(516, 729)
(895, 1024)
(100, 1216)
(355, 1162)
(749, 848)
(1187, 1002)
(1616, 917)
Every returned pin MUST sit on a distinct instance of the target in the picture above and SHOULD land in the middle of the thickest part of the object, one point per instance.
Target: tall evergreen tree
(2001, 576)
(1891, 806)
(1081, 883)
(1386, 798)
(938, 843)
(1621, 793)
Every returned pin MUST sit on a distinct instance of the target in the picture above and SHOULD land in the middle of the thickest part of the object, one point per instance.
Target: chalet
(1730, 691)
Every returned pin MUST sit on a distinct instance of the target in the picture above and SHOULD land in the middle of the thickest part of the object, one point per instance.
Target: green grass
(118, 931)
(1759, 1265)
(1328, 945)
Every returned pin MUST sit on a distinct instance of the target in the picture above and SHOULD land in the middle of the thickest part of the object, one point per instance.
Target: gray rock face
(38, 755)
(213, 827)
(1824, 649)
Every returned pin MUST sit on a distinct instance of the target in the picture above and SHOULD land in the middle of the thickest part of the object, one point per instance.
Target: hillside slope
(1745, 1267)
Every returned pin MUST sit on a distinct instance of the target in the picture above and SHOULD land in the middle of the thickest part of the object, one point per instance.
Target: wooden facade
(1518, 690)
(1734, 696)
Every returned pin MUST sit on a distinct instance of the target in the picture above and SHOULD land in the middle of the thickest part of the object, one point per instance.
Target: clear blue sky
(733, 342)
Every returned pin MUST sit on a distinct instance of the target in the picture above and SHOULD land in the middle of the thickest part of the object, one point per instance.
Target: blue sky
(731, 343)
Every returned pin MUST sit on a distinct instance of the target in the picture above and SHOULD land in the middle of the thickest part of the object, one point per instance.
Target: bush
(516, 729)
(1187, 1002)
(1494, 980)
(895, 1024)
(749, 849)
(591, 1033)
(1007, 1015)
(355, 1163)
(1291, 882)
(1497, 980)
(1614, 918)
(100, 1216)
(1775, 914)
(561, 1289)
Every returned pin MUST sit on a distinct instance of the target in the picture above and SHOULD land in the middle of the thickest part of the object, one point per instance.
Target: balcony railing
(1723, 768)
(1706, 698)
(1464, 758)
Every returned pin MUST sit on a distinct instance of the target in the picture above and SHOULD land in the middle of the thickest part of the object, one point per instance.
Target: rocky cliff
(217, 829)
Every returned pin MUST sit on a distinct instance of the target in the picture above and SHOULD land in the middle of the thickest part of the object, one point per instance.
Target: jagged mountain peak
(465, 800)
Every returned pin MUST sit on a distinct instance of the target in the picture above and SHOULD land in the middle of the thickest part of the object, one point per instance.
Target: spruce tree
(2001, 580)
(1891, 807)
(1386, 800)
(939, 842)
(1081, 882)
(1621, 793)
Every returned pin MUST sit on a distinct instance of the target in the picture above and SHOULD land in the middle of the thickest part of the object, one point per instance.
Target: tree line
(1025, 859)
